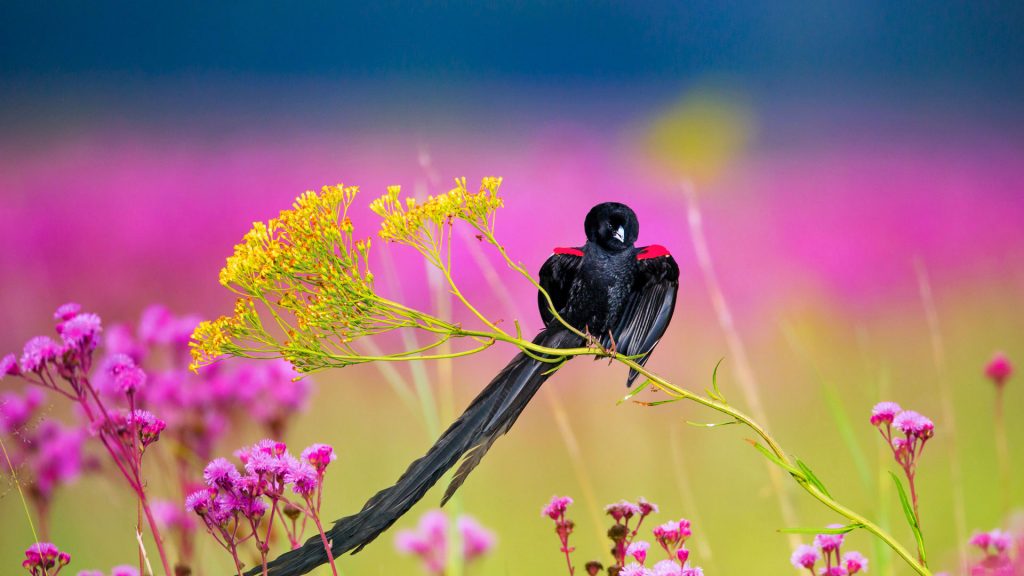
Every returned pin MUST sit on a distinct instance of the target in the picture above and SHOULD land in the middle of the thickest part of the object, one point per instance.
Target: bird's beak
(620, 234)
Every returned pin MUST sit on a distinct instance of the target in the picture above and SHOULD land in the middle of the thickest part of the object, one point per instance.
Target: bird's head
(612, 226)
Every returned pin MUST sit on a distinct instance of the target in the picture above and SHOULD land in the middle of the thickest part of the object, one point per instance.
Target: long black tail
(490, 415)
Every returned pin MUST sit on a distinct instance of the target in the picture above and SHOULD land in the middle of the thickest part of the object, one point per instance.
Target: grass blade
(908, 510)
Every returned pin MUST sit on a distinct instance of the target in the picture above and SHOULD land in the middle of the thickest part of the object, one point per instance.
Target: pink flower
(695, 571)
(125, 376)
(622, 510)
(982, 540)
(429, 541)
(16, 411)
(156, 325)
(833, 571)
(999, 369)
(646, 507)
(81, 330)
(303, 478)
(124, 570)
(67, 311)
(667, 568)
(476, 540)
(805, 557)
(557, 507)
(59, 456)
(319, 456)
(199, 502)
(682, 555)
(1001, 540)
(42, 557)
(119, 340)
(638, 550)
(169, 515)
(9, 366)
(221, 473)
(855, 562)
(634, 569)
(884, 413)
(913, 424)
(829, 542)
(37, 352)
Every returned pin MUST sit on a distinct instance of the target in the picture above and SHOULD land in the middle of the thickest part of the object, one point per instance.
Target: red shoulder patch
(569, 251)
(652, 251)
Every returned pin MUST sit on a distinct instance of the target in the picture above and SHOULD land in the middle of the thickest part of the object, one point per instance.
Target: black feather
(489, 416)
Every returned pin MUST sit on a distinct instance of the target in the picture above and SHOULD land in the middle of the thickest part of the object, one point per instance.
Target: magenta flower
(319, 456)
(828, 542)
(303, 478)
(123, 374)
(170, 515)
(221, 474)
(124, 570)
(833, 571)
(982, 540)
(634, 569)
(67, 312)
(646, 507)
(667, 568)
(805, 557)
(59, 457)
(156, 325)
(694, 571)
(913, 424)
(16, 411)
(37, 352)
(622, 510)
(44, 558)
(81, 330)
(999, 369)
(884, 413)
(9, 366)
(638, 550)
(855, 562)
(476, 540)
(557, 507)
(429, 541)
(200, 501)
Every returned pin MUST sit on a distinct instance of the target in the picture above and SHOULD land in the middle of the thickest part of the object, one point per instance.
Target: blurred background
(843, 156)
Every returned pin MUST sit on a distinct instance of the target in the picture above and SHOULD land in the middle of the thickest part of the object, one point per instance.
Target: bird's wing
(556, 276)
(647, 312)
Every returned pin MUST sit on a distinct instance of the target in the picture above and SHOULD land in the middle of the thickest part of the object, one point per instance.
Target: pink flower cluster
(999, 369)
(889, 418)
(429, 541)
(234, 503)
(140, 391)
(49, 452)
(65, 368)
(44, 559)
(199, 408)
(827, 548)
(629, 554)
(999, 559)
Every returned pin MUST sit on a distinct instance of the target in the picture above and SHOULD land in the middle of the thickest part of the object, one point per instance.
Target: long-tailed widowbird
(621, 294)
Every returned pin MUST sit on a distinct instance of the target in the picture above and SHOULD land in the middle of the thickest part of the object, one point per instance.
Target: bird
(613, 293)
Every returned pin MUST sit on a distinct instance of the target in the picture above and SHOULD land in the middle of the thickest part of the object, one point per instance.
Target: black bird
(622, 295)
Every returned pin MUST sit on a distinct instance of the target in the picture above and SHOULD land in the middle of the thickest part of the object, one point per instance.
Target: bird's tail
(490, 415)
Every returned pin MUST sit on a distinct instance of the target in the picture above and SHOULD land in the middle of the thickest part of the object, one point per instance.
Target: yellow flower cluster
(304, 262)
(304, 285)
(421, 224)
